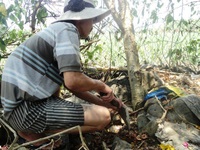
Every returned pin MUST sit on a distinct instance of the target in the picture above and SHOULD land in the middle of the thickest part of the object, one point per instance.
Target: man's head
(82, 10)
(83, 14)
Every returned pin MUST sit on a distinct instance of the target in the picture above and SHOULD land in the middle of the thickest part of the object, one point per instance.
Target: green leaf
(135, 12)
(113, 63)
(13, 17)
(21, 25)
(11, 8)
(159, 5)
(169, 19)
(143, 11)
(3, 21)
(154, 16)
(41, 14)
(184, 22)
(2, 45)
(3, 10)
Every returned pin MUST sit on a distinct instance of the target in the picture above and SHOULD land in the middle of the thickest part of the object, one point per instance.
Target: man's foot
(53, 144)
(46, 144)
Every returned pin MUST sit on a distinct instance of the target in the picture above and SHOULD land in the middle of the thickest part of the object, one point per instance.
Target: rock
(119, 144)
(183, 109)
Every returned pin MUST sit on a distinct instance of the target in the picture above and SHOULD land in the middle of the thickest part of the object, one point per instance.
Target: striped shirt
(34, 69)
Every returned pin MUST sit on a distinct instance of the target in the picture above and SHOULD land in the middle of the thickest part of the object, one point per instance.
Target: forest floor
(185, 80)
(118, 137)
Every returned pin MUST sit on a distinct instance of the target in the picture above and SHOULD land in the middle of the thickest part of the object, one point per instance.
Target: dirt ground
(186, 81)
(132, 139)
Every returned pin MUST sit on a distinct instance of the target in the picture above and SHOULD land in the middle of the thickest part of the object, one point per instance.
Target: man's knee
(97, 116)
(105, 118)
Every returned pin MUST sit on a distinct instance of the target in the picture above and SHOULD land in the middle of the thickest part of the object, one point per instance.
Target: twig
(134, 112)
(43, 146)
(81, 137)
(82, 47)
(104, 145)
(140, 144)
(53, 135)
(13, 131)
(168, 72)
(165, 111)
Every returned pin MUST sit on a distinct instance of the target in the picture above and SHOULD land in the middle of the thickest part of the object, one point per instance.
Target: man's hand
(107, 94)
(114, 102)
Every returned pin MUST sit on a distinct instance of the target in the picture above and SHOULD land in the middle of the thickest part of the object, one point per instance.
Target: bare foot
(34, 136)
(51, 145)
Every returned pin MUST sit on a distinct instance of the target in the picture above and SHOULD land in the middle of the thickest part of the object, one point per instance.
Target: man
(37, 68)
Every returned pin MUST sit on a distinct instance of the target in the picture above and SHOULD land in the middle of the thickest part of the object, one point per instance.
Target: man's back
(31, 71)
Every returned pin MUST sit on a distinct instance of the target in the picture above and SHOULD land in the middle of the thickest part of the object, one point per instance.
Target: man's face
(84, 27)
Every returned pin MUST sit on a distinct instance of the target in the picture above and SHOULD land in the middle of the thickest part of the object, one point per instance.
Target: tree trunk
(133, 66)
(124, 20)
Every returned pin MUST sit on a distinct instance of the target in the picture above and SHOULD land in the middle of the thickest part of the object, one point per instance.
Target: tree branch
(114, 13)
(33, 18)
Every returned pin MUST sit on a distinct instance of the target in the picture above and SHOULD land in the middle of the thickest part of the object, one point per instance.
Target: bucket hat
(81, 10)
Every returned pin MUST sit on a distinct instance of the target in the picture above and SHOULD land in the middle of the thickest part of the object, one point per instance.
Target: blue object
(161, 93)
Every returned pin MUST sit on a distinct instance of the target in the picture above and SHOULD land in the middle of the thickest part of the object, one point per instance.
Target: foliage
(10, 19)
(165, 43)
(90, 55)
(162, 29)
(189, 53)
(20, 13)
(16, 20)
(107, 51)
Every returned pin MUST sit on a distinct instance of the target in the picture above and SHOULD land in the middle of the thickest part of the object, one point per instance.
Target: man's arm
(78, 82)
(91, 98)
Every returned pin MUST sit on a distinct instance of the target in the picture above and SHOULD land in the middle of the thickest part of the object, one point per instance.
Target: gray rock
(119, 144)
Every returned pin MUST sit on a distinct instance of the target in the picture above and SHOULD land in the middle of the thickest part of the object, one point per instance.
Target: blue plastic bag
(161, 93)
